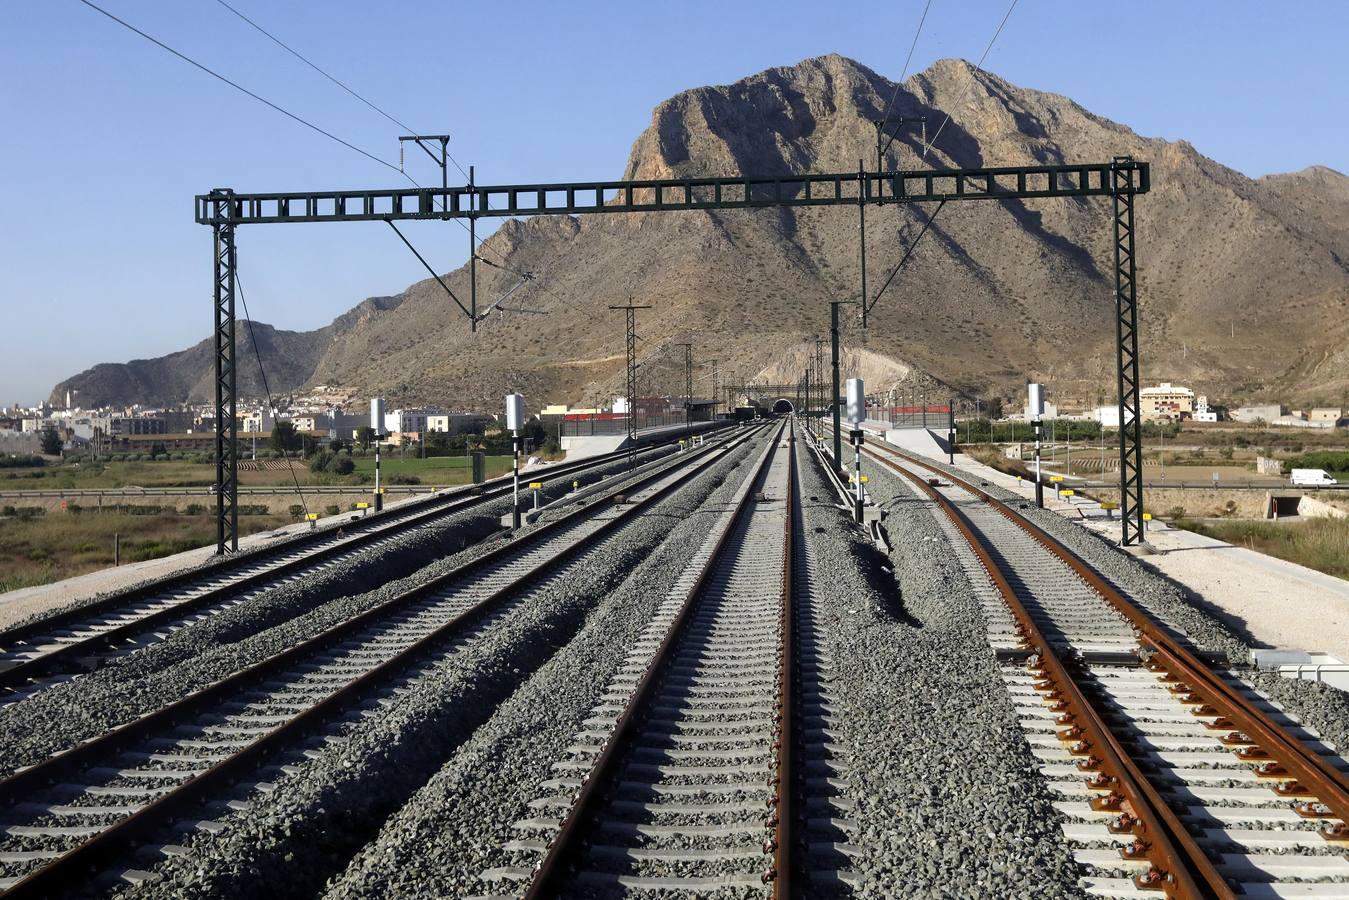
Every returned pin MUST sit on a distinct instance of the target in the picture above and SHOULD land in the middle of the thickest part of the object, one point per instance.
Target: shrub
(404, 478)
(254, 509)
(195, 509)
(1330, 460)
(296, 510)
(332, 509)
(1176, 512)
(343, 466)
(21, 460)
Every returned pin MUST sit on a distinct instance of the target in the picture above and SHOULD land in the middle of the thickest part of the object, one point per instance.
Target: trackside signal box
(479, 458)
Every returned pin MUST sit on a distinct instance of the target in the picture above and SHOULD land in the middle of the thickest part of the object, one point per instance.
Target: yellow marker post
(1068, 492)
(537, 488)
(313, 519)
(1056, 478)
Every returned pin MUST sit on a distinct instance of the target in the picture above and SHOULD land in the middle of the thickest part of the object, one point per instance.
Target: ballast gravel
(304, 831)
(454, 829)
(205, 651)
(950, 802)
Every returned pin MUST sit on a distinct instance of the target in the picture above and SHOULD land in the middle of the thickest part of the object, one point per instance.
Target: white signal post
(857, 413)
(515, 420)
(1036, 398)
(377, 425)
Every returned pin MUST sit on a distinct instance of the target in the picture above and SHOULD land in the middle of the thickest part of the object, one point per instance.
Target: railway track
(707, 764)
(59, 647)
(113, 806)
(1172, 775)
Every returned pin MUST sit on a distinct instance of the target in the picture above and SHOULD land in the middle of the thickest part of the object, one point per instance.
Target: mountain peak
(996, 292)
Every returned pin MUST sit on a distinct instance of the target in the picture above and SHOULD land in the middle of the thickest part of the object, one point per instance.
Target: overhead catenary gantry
(1119, 179)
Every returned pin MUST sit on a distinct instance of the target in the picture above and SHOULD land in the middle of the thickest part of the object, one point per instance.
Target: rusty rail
(1178, 865)
(1276, 753)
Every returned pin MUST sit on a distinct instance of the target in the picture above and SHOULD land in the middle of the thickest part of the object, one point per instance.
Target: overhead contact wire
(238, 87)
(980, 65)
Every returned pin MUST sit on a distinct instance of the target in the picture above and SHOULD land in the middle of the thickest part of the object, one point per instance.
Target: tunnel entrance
(782, 406)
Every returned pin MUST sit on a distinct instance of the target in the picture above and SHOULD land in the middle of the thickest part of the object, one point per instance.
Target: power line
(302, 58)
(295, 53)
(908, 59)
(308, 124)
(980, 65)
(238, 87)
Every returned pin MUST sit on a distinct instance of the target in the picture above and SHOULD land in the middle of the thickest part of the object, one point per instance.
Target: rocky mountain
(1244, 288)
(188, 376)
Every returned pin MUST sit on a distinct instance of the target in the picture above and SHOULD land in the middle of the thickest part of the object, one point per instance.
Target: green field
(438, 470)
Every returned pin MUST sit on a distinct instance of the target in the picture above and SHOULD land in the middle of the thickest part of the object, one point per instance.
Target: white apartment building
(1166, 401)
(1201, 411)
(405, 420)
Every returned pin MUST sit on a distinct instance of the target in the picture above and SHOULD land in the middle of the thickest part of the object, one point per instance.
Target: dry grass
(44, 549)
(994, 458)
(1321, 544)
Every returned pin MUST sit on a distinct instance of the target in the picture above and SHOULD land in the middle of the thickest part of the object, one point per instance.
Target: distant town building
(1166, 401)
(1202, 413)
(1107, 415)
(260, 422)
(1267, 412)
(408, 420)
(456, 423)
(1331, 414)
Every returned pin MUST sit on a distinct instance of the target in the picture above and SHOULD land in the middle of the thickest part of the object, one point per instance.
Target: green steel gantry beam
(1120, 179)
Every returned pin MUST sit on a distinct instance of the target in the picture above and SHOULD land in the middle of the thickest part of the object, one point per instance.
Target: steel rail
(17, 675)
(784, 815)
(74, 866)
(550, 875)
(1178, 863)
(1264, 741)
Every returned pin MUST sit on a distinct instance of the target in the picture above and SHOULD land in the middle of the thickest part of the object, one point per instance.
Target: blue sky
(107, 137)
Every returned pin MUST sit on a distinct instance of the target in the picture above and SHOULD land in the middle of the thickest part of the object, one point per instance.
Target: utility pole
(716, 389)
(688, 379)
(833, 400)
(443, 160)
(631, 313)
(472, 254)
(862, 235)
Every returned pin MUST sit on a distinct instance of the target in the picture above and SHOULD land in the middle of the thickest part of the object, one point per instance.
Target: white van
(1311, 478)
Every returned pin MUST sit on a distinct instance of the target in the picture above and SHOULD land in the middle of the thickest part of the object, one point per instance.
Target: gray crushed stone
(198, 654)
(950, 799)
(455, 827)
(305, 831)
(208, 567)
